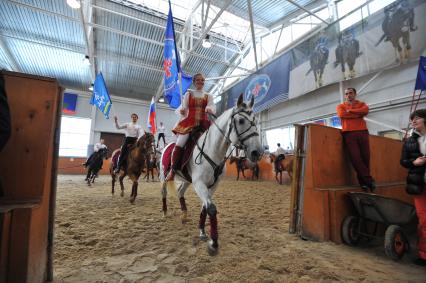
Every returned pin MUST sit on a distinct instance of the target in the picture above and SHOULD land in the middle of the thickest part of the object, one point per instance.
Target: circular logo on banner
(258, 87)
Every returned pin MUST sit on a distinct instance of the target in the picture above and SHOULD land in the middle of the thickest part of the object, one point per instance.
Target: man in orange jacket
(355, 135)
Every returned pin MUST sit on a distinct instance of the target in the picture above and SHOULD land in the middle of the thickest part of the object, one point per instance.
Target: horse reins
(218, 168)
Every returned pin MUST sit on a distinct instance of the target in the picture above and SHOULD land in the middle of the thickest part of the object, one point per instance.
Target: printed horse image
(243, 165)
(318, 60)
(236, 127)
(284, 165)
(95, 164)
(134, 165)
(396, 26)
(347, 51)
(151, 164)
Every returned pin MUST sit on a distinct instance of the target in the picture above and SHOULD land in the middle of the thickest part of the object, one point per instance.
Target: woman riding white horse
(237, 127)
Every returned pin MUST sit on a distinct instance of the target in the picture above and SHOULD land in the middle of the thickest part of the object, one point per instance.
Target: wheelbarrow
(379, 209)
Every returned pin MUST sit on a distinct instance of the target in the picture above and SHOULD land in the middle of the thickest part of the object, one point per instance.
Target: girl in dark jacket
(413, 157)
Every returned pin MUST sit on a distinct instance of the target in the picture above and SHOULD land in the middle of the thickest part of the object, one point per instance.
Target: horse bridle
(219, 167)
(227, 135)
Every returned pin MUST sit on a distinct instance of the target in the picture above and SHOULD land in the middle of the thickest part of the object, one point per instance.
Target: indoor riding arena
(212, 141)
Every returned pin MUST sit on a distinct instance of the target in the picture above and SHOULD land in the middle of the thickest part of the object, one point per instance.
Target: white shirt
(161, 129)
(422, 144)
(98, 146)
(132, 129)
(279, 151)
(197, 94)
(241, 153)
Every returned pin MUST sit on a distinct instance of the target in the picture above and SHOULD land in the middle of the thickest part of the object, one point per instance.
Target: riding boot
(176, 156)
(119, 161)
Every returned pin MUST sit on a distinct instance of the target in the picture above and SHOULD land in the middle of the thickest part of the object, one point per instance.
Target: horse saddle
(114, 158)
(166, 160)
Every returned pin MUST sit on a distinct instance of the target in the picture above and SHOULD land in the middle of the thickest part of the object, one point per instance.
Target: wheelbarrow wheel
(350, 230)
(396, 243)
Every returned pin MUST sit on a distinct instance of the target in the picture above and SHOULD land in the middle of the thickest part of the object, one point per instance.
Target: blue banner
(421, 75)
(69, 104)
(100, 96)
(268, 85)
(171, 67)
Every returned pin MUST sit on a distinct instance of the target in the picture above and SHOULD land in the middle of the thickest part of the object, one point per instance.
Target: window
(284, 136)
(75, 136)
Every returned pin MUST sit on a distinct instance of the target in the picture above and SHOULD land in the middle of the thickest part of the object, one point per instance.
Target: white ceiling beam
(253, 36)
(89, 48)
(307, 11)
(9, 56)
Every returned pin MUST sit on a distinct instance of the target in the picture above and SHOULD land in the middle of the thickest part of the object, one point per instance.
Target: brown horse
(243, 165)
(285, 165)
(151, 164)
(135, 163)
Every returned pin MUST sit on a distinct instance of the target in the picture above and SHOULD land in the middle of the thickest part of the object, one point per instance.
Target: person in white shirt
(279, 154)
(161, 130)
(96, 148)
(133, 131)
(241, 157)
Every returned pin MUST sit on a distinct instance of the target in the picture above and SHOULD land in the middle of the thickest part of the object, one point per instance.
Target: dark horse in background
(396, 26)
(284, 165)
(347, 51)
(134, 164)
(243, 165)
(152, 163)
(95, 164)
(318, 60)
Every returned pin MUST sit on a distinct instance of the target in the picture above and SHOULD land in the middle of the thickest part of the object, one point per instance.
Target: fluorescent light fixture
(86, 60)
(206, 42)
(75, 4)
(161, 99)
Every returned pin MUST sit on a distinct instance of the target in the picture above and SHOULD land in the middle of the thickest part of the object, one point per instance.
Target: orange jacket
(352, 115)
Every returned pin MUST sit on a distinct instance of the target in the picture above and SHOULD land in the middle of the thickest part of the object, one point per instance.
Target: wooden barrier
(73, 165)
(28, 175)
(321, 198)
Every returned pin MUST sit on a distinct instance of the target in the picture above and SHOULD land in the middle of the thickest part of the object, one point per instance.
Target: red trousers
(358, 148)
(420, 204)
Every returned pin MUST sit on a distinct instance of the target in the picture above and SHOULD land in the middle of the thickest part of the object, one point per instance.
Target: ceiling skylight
(239, 30)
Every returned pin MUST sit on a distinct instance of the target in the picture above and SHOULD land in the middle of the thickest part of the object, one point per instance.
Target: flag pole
(180, 88)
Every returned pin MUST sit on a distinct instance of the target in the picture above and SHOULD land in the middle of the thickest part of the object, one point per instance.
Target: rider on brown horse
(133, 131)
(280, 154)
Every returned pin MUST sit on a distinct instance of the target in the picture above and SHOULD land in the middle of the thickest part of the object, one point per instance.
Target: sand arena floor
(103, 238)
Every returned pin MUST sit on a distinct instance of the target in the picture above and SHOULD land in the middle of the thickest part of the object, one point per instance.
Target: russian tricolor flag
(152, 117)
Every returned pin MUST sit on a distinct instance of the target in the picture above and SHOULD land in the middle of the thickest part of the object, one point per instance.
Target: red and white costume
(196, 103)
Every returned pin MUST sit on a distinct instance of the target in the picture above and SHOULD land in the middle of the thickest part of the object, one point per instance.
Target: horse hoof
(184, 217)
(164, 214)
(203, 237)
(132, 200)
(212, 248)
(122, 194)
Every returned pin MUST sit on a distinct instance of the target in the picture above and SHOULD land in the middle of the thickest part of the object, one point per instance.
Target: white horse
(236, 127)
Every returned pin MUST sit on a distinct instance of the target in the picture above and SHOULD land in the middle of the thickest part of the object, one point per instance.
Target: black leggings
(128, 141)
(161, 135)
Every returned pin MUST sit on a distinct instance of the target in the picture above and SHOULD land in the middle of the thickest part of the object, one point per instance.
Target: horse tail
(380, 40)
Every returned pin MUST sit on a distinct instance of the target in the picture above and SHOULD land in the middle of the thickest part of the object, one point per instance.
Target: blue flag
(171, 66)
(421, 75)
(100, 96)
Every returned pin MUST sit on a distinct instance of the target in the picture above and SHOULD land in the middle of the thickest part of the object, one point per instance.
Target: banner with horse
(390, 36)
